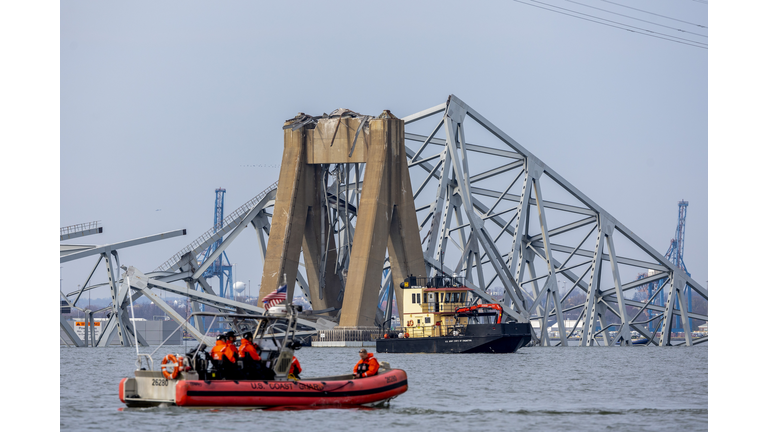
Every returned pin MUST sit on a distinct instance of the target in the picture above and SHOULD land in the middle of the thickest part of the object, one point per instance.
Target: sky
(132, 114)
(161, 104)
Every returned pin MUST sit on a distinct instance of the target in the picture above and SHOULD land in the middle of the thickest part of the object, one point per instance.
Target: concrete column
(405, 252)
(289, 217)
(386, 215)
(371, 232)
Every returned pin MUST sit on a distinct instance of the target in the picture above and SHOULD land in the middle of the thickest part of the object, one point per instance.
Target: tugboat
(188, 380)
(440, 318)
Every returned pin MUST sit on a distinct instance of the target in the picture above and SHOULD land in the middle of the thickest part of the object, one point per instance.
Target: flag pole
(288, 290)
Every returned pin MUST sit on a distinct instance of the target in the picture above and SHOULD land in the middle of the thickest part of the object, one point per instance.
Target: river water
(569, 389)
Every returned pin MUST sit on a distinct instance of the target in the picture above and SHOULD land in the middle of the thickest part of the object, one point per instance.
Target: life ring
(410, 323)
(170, 358)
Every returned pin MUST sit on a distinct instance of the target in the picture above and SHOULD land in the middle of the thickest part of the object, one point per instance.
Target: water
(573, 389)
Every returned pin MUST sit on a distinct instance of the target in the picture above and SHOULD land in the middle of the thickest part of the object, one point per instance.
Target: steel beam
(81, 233)
(70, 332)
(121, 245)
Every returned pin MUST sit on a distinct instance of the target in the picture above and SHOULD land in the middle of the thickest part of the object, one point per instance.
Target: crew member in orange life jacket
(217, 355)
(249, 356)
(247, 350)
(367, 366)
(231, 343)
(224, 356)
(295, 368)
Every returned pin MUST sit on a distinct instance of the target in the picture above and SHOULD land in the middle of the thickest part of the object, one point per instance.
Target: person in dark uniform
(199, 358)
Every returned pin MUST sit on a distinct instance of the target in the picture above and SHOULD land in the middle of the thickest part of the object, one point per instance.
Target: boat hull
(478, 338)
(319, 392)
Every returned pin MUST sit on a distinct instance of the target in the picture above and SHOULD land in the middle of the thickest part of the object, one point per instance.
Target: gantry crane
(221, 267)
(675, 255)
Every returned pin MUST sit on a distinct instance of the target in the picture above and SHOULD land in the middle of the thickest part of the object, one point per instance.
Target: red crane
(472, 310)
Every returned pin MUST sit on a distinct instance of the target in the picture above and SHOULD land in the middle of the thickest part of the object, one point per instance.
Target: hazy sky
(163, 102)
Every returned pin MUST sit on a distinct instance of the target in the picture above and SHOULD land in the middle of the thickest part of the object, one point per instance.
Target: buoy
(170, 358)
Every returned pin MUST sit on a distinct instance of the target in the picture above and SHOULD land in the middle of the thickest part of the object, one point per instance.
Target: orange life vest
(295, 368)
(246, 347)
(230, 352)
(217, 352)
(368, 366)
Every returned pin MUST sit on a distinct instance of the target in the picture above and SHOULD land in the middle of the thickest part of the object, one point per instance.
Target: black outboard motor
(295, 345)
(200, 362)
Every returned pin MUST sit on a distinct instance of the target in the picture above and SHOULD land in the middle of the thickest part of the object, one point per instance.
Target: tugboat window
(426, 320)
(418, 298)
(413, 297)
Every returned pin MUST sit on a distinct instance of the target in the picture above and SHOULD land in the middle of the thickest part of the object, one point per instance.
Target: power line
(648, 32)
(638, 19)
(663, 16)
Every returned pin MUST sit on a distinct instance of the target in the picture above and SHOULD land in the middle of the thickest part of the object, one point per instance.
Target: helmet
(221, 337)
(247, 335)
(229, 334)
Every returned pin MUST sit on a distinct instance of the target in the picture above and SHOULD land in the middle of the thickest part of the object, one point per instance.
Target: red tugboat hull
(304, 393)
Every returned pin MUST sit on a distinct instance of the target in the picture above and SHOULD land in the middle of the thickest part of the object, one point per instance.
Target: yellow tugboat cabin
(430, 304)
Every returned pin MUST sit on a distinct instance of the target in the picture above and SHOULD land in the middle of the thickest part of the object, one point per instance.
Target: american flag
(275, 297)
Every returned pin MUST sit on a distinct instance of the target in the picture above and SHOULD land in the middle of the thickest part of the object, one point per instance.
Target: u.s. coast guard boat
(188, 379)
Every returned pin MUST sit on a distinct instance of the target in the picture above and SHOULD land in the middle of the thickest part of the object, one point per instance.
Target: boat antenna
(133, 319)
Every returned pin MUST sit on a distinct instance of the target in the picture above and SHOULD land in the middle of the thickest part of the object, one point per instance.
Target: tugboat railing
(437, 306)
(434, 282)
(428, 331)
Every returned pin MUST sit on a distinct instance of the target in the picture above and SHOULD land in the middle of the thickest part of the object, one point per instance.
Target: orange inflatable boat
(192, 380)
(151, 388)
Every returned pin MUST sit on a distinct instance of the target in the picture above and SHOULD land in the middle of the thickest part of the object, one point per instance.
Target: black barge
(475, 338)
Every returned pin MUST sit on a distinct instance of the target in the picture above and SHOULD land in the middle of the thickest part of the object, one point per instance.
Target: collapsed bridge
(364, 201)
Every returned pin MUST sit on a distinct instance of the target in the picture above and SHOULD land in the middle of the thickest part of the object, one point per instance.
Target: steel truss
(184, 267)
(488, 210)
(118, 323)
(481, 223)
(478, 224)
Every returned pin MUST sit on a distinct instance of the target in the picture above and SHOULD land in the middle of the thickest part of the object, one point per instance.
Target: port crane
(221, 267)
(675, 255)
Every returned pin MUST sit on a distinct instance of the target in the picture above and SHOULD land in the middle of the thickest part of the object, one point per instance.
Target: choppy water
(573, 389)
